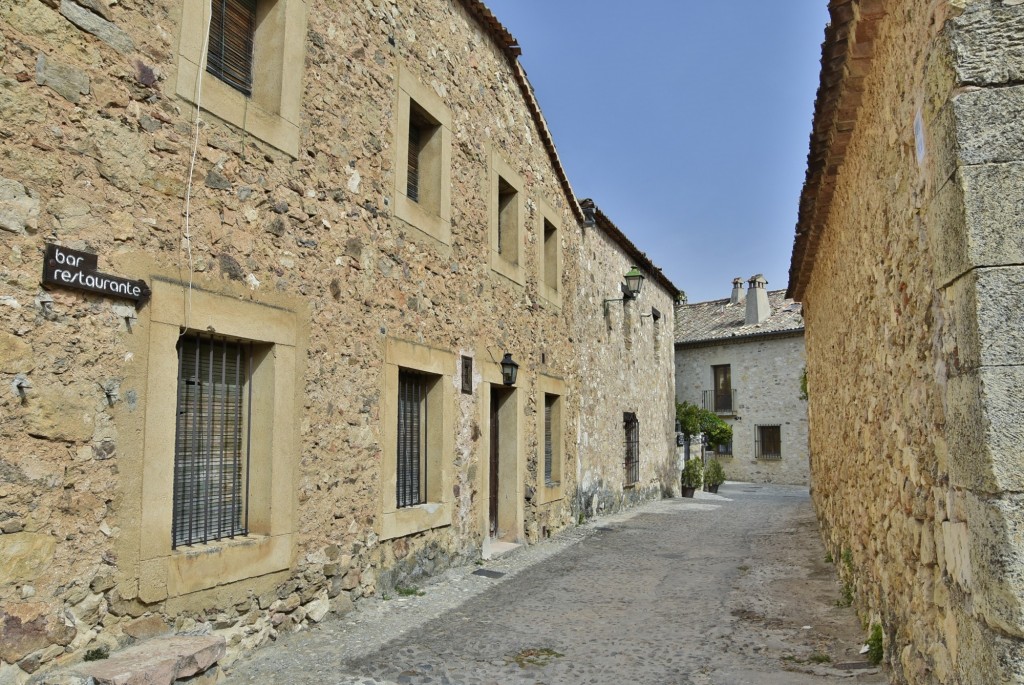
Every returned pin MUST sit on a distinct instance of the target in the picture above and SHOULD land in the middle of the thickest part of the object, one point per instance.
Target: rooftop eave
(846, 59)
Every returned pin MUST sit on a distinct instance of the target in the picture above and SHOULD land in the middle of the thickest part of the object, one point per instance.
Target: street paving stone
(722, 589)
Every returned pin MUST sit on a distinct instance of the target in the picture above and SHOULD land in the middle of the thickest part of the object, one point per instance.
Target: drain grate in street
(487, 573)
(605, 529)
(854, 665)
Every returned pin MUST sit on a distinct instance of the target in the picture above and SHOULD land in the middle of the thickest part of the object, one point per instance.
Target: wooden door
(495, 442)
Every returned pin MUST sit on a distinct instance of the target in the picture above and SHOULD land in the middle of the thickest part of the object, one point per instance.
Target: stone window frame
(436, 512)
(555, 490)
(500, 171)
(546, 215)
(270, 545)
(273, 111)
(412, 94)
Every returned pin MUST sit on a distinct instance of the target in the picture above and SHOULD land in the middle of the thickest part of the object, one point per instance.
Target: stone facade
(283, 224)
(765, 363)
(907, 260)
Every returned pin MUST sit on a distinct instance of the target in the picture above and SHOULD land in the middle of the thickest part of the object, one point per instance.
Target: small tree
(694, 420)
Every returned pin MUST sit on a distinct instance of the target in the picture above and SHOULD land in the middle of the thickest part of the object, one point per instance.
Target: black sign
(74, 269)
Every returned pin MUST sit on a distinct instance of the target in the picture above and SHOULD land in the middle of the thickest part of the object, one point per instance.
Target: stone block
(997, 561)
(990, 125)
(159, 661)
(69, 82)
(318, 608)
(988, 44)
(15, 354)
(986, 318)
(28, 627)
(146, 627)
(24, 557)
(59, 413)
(19, 207)
(106, 31)
(994, 211)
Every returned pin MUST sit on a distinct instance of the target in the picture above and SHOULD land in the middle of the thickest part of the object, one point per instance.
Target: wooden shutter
(211, 448)
(232, 35)
(410, 470)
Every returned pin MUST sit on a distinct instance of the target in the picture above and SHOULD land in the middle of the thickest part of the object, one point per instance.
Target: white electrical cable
(192, 167)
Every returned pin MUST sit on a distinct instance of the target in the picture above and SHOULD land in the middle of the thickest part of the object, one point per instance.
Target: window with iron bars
(211, 448)
(411, 467)
(768, 442)
(632, 432)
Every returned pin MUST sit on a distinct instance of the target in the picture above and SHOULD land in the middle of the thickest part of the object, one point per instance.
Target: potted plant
(691, 477)
(714, 475)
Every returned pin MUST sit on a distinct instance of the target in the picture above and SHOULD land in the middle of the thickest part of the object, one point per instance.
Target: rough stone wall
(766, 377)
(636, 373)
(913, 315)
(96, 153)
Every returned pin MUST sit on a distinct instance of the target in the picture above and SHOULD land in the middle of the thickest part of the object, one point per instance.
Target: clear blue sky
(687, 122)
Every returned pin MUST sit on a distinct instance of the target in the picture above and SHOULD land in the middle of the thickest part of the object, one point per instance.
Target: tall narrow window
(508, 221)
(550, 255)
(768, 442)
(632, 462)
(211, 449)
(549, 441)
(232, 37)
(411, 468)
(723, 388)
(423, 182)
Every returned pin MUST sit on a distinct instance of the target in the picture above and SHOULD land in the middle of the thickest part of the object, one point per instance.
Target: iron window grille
(211, 445)
(412, 188)
(232, 38)
(632, 432)
(411, 469)
(768, 442)
(549, 452)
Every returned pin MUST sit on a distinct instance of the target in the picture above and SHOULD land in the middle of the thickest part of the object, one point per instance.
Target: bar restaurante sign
(75, 269)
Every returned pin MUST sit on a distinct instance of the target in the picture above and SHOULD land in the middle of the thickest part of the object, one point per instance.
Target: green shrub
(97, 654)
(714, 474)
(875, 652)
(693, 474)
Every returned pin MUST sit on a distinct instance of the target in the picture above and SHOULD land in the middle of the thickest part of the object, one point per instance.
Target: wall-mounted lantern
(509, 370)
(630, 290)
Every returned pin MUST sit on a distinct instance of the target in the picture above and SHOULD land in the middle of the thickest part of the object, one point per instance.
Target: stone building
(263, 377)
(742, 357)
(907, 260)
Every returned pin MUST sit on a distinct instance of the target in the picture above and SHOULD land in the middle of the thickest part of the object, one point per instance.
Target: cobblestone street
(723, 590)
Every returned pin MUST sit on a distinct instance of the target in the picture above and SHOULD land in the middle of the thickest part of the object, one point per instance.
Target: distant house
(743, 358)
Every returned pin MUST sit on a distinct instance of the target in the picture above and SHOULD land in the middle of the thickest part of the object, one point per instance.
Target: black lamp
(509, 370)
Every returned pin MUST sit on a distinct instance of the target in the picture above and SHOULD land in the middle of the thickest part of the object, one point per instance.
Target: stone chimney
(737, 291)
(758, 308)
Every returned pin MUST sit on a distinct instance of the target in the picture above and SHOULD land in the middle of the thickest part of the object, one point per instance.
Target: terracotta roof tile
(719, 320)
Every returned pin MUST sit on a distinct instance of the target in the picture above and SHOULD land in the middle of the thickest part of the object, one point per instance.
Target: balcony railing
(720, 401)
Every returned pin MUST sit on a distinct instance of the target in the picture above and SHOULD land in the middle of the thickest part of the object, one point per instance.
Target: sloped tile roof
(719, 320)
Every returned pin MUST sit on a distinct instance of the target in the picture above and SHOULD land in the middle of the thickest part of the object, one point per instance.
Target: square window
(423, 159)
(632, 441)
(256, 54)
(768, 442)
